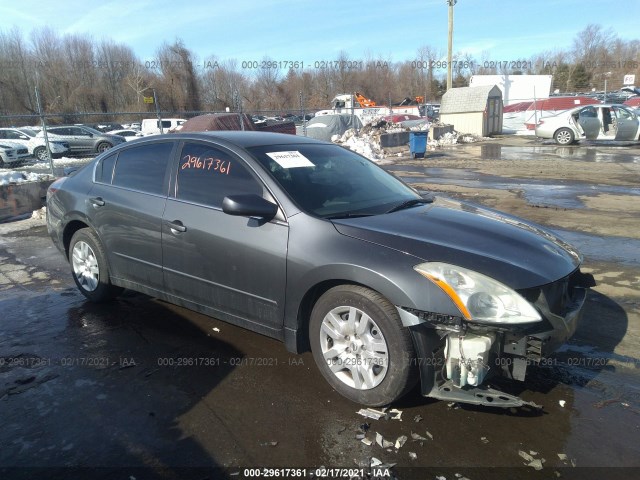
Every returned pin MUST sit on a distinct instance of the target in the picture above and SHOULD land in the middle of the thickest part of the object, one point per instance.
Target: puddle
(609, 152)
(610, 249)
(535, 192)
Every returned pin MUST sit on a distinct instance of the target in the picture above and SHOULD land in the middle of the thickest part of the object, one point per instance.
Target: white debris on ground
(13, 177)
(535, 463)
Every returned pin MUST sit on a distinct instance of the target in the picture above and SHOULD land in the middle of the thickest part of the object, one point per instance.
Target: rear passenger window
(104, 170)
(206, 175)
(143, 168)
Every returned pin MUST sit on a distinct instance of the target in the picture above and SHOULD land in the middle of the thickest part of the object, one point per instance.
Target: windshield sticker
(291, 159)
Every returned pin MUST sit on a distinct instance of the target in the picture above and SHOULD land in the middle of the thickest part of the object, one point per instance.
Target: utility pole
(44, 123)
(155, 100)
(451, 3)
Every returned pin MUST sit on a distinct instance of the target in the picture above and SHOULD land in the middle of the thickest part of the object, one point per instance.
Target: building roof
(468, 99)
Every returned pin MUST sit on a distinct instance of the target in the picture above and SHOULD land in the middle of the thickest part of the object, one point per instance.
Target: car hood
(515, 252)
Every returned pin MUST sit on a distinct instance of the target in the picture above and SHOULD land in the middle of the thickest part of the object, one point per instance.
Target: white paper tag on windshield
(291, 159)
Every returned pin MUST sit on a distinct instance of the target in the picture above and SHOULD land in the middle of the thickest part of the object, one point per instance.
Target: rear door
(627, 124)
(589, 121)
(233, 266)
(126, 205)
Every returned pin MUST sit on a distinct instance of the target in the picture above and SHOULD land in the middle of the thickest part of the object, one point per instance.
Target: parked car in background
(430, 110)
(12, 153)
(312, 244)
(402, 117)
(151, 126)
(591, 122)
(83, 139)
(128, 134)
(35, 144)
(105, 127)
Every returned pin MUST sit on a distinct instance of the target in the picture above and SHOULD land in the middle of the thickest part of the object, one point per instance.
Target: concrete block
(394, 139)
(20, 198)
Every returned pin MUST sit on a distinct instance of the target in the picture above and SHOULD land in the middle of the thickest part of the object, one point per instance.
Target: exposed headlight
(478, 297)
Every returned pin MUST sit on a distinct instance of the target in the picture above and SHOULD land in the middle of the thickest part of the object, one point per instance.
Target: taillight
(55, 186)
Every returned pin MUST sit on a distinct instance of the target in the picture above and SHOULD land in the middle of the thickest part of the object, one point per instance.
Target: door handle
(177, 227)
(97, 202)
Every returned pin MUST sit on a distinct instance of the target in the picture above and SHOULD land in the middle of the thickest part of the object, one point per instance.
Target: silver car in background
(82, 139)
(591, 122)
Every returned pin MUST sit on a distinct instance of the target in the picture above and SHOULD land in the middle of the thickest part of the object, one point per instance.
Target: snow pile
(7, 178)
(366, 144)
(66, 161)
(39, 214)
(453, 138)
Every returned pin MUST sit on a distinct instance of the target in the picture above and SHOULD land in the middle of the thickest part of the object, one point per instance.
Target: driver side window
(206, 175)
(622, 113)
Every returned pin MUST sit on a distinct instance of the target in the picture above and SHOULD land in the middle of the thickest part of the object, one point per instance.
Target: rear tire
(564, 136)
(361, 347)
(89, 267)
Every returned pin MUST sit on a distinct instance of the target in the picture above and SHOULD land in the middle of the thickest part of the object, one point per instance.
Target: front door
(234, 267)
(627, 124)
(82, 139)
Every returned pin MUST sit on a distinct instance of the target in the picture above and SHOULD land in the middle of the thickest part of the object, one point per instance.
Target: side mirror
(249, 206)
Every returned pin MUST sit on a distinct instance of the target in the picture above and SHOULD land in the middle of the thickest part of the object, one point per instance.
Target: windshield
(330, 181)
(92, 130)
(28, 132)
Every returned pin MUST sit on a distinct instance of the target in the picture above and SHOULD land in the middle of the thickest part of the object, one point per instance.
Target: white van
(151, 126)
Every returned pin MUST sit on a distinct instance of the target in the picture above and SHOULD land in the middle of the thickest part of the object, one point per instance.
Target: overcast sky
(316, 30)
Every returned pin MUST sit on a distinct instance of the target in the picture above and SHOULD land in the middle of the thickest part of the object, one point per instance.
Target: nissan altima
(316, 246)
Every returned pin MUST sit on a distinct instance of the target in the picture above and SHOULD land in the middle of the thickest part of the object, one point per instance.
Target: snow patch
(13, 177)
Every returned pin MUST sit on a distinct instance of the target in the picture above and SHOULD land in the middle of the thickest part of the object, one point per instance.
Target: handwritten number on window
(206, 164)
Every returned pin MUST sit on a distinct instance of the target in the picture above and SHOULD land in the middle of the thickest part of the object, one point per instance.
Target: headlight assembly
(478, 297)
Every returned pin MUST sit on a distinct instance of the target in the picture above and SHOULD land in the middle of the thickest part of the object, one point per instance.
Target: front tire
(361, 347)
(104, 146)
(564, 136)
(89, 267)
(41, 153)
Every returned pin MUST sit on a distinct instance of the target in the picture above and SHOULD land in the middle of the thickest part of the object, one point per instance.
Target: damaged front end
(458, 355)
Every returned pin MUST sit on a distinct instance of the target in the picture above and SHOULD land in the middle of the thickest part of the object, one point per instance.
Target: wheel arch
(307, 293)
(306, 305)
(69, 230)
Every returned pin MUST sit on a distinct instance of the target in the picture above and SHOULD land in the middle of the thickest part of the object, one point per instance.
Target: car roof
(246, 139)
(601, 105)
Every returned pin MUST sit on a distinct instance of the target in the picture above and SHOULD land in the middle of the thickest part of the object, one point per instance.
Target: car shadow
(116, 390)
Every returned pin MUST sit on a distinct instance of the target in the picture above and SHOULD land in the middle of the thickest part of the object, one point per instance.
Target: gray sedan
(314, 245)
(593, 122)
(82, 139)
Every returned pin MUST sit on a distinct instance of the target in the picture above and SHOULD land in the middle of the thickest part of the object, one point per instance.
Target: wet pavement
(139, 388)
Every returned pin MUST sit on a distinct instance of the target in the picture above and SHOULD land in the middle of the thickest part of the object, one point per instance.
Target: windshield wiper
(411, 203)
(348, 215)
